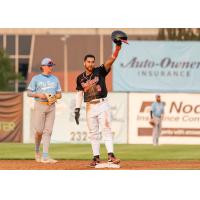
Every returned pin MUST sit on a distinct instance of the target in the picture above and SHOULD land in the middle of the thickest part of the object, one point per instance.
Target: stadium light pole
(16, 62)
(64, 39)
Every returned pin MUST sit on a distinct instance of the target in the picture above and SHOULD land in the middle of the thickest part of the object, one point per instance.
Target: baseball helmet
(118, 35)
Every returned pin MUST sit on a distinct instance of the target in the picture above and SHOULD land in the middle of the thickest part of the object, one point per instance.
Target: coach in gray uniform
(41, 87)
(156, 114)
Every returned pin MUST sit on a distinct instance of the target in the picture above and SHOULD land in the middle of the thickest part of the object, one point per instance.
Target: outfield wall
(130, 116)
(65, 129)
(11, 115)
(181, 123)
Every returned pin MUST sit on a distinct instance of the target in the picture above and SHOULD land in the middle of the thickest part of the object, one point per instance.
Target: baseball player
(91, 84)
(156, 114)
(45, 89)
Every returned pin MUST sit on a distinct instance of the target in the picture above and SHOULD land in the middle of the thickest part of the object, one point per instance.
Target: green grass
(123, 151)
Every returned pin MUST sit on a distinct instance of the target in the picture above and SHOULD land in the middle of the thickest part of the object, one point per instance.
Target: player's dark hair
(41, 69)
(89, 56)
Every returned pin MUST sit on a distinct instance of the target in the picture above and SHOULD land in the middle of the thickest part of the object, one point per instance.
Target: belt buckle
(102, 99)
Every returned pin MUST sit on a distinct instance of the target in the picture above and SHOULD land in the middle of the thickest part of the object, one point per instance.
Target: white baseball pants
(99, 120)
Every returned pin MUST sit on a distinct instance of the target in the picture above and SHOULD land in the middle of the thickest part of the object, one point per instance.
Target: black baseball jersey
(93, 85)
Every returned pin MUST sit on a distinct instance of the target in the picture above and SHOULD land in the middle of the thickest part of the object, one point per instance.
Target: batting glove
(77, 115)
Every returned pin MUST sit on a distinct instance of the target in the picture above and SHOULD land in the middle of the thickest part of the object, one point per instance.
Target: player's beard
(89, 68)
(158, 100)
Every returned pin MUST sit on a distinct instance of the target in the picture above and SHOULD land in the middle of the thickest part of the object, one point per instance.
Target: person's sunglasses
(50, 64)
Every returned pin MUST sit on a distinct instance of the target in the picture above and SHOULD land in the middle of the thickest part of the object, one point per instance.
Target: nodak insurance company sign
(181, 123)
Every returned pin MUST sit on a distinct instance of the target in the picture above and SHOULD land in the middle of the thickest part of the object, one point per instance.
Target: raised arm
(117, 37)
(113, 57)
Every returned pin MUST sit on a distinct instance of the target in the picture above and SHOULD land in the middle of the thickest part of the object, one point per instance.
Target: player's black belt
(95, 101)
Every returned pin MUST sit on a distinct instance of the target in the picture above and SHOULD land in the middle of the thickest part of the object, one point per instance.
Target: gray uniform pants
(43, 120)
(156, 130)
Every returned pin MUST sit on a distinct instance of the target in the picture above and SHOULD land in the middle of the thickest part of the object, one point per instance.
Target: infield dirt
(83, 165)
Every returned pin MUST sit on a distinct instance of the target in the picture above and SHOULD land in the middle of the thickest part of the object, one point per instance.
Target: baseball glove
(118, 37)
(151, 122)
(51, 98)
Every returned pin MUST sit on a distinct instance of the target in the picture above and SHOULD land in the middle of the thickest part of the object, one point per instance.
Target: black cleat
(95, 161)
(113, 159)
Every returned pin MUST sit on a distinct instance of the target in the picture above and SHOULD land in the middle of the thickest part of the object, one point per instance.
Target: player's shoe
(95, 161)
(48, 160)
(37, 157)
(113, 159)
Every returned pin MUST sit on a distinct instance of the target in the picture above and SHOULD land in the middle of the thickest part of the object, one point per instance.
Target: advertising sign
(180, 123)
(162, 66)
(11, 123)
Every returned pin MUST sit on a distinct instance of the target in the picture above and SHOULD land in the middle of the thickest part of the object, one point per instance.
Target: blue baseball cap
(47, 62)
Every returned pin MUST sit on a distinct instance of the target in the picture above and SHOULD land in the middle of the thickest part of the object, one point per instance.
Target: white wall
(181, 124)
(65, 129)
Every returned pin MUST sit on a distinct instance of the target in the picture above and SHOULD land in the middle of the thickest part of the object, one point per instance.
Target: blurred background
(67, 47)
(22, 49)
